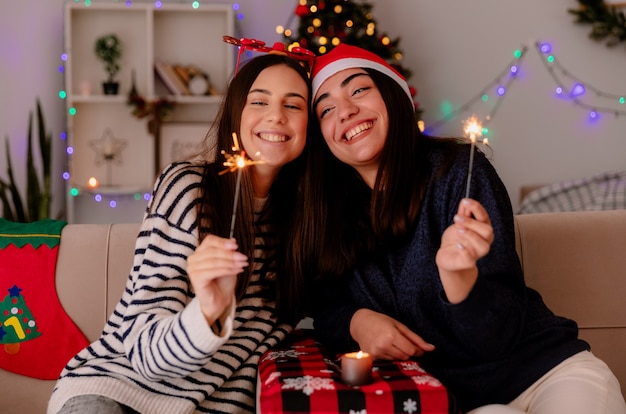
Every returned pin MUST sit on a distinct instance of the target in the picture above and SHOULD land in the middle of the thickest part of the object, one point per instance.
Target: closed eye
(360, 90)
(293, 106)
(324, 111)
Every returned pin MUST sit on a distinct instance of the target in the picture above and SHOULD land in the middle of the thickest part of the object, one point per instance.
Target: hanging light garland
(499, 88)
(568, 87)
(140, 107)
(608, 22)
(572, 88)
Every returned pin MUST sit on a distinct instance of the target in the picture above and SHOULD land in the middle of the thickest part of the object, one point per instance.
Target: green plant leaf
(16, 198)
(32, 181)
(7, 211)
(36, 205)
(45, 149)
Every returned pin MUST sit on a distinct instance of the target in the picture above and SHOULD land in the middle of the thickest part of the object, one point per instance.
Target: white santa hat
(347, 57)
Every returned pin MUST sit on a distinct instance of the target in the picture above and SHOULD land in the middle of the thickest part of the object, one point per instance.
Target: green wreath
(607, 22)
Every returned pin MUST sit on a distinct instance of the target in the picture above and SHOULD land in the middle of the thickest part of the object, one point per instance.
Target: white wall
(454, 49)
(31, 42)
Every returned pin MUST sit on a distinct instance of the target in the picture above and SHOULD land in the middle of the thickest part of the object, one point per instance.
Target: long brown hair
(355, 221)
(216, 205)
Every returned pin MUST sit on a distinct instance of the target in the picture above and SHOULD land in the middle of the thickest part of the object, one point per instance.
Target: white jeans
(582, 384)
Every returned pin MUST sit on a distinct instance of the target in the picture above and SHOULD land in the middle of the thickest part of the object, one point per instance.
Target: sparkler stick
(240, 165)
(472, 129)
(237, 162)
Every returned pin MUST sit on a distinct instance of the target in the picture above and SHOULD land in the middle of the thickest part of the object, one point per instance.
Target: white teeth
(273, 137)
(358, 129)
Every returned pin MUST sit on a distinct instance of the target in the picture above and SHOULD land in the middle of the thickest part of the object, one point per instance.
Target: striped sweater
(157, 354)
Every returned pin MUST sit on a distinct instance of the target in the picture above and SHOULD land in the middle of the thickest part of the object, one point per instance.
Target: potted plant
(35, 203)
(109, 50)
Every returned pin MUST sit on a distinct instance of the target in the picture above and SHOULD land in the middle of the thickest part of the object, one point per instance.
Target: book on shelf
(169, 77)
(196, 81)
(182, 73)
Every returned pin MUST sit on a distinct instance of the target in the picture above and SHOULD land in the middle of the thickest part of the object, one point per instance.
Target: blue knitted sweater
(494, 344)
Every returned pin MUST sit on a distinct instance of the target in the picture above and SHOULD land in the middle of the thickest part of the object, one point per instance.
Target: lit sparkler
(236, 161)
(473, 129)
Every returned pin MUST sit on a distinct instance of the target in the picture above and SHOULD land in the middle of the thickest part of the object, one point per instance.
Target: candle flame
(359, 355)
(473, 128)
(92, 182)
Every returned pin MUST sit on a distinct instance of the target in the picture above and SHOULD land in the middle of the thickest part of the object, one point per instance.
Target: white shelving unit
(176, 33)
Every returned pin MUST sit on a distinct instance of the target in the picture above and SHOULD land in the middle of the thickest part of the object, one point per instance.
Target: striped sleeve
(164, 332)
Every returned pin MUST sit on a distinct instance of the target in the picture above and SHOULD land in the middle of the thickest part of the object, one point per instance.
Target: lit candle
(356, 368)
(93, 182)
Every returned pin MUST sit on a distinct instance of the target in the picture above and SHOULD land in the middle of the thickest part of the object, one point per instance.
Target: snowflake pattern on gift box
(409, 406)
(424, 378)
(272, 377)
(308, 384)
(289, 353)
(411, 366)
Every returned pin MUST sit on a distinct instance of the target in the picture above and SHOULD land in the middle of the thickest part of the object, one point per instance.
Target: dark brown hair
(356, 221)
(280, 210)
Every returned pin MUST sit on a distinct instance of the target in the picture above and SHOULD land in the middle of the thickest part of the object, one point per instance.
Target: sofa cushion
(576, 261)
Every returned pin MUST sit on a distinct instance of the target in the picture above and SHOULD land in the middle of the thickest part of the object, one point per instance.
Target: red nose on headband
(348, 57)
(298, 53)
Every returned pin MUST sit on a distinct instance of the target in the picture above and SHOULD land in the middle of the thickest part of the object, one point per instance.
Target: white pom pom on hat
(347, 57)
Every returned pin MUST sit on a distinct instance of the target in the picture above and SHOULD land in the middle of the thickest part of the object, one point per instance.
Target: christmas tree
(326, 23)
(17, 322)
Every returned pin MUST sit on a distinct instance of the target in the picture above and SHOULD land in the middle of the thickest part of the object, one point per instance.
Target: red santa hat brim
(347, 57)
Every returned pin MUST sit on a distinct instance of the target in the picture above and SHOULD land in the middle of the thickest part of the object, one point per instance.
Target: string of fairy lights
(566, 87)
(101, 194)
(499, 86)
(577, 88)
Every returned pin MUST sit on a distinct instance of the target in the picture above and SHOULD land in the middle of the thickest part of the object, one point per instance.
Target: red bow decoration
(296, 52)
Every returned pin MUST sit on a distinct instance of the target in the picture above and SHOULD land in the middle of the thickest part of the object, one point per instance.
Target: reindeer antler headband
(296, 52)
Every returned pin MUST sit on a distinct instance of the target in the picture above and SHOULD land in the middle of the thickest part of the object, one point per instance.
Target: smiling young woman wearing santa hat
(410, 267)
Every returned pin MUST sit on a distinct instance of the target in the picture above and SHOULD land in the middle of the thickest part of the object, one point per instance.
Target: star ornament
(15, 291)
(108, 148)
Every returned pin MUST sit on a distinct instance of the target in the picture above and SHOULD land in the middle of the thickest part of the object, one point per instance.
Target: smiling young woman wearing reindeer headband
(200, 308)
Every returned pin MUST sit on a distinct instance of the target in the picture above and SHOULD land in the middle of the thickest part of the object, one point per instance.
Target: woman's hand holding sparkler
(213, 270)
(468, 239)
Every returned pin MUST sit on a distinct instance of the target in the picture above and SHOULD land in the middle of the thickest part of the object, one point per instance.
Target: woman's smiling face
(353, 119)
(274, 118)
